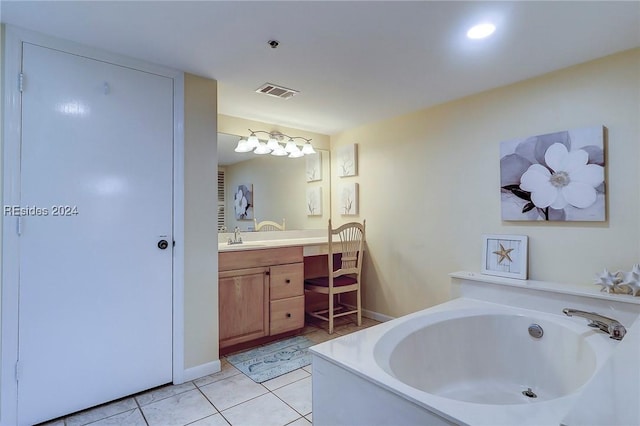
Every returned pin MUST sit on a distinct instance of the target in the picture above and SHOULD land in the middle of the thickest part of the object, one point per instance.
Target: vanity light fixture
(481, 31)
(274, 145)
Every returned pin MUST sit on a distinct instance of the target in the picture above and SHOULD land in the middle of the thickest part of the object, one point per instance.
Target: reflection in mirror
(266, 187)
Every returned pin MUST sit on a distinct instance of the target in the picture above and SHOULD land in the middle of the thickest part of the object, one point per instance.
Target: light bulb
(296, 153)
(262, 149)
(308, 149)
(279, 152)
(243, 146)
(291, 146)
(253, 140)
(273, 143)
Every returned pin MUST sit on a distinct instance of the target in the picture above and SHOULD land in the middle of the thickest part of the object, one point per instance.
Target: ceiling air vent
(276, 91)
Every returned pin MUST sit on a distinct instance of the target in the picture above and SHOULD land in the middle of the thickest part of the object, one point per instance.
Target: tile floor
(226, 398)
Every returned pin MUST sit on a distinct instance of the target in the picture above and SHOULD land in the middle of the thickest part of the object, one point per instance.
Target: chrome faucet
(237, 239)
(608, 325)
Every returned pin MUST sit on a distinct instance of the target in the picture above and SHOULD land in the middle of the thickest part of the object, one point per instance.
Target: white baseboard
(372, 314)
(376, 316)
(200, 371)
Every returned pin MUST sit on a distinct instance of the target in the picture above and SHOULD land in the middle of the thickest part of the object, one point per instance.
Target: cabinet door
(243, 305)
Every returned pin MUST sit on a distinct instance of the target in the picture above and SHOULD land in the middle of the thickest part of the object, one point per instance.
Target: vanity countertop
(312, 243)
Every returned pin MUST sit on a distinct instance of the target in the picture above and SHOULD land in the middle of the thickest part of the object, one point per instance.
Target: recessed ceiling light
(481, 31)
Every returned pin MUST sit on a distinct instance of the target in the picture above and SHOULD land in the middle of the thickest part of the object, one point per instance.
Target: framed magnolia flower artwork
(243, 202)
(554, 177)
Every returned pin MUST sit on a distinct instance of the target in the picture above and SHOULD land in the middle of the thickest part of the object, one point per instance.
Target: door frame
(13, 40)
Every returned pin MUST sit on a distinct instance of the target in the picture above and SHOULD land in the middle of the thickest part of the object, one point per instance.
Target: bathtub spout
(608, 325)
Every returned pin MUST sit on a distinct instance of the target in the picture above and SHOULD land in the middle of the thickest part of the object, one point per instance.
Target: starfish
(503, 253)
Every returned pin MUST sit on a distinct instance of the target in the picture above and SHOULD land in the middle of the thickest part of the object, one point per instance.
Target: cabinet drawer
(287, 281)
(241, 259)
(287, 315)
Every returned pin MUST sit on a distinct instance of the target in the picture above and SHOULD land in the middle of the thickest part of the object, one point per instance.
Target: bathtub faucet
(608, 325)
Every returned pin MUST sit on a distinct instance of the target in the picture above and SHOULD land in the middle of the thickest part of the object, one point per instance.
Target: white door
(95, 303)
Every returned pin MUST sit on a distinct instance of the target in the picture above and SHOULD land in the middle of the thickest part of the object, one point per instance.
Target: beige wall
(201, 250)
(429, 184)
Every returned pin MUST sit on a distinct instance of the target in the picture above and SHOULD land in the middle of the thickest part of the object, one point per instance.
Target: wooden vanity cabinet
(261, 293)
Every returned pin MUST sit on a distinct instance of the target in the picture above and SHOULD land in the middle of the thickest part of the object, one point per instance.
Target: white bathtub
(489, 357)
(462, 362)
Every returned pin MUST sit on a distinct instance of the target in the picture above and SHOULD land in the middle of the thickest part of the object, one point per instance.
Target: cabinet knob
(287, 281)
(288, 315)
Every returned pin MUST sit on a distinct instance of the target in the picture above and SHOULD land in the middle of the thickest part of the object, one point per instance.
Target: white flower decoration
(631, 279)
(608, 281)
(570, 181)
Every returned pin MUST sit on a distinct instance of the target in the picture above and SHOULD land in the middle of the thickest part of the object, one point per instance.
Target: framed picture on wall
(314, 201)
(349, 199)
(243, 202)
(347, 160)
(554, 177)
(505, 255)
(313, 167)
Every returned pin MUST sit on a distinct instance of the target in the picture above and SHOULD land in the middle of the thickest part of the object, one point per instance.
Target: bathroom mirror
(279, 188)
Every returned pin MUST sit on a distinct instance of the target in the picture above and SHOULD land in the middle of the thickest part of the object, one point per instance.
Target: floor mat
(273, 360)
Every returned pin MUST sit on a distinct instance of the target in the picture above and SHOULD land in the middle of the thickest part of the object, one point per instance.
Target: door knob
(163, 244)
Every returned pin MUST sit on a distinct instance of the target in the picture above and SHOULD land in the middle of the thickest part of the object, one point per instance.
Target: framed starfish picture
(505, 255)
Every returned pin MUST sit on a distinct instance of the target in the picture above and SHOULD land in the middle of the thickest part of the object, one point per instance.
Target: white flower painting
(554, 177)
(314, 201)
(347, 160)
(314, 167)
(243, 202)
(349, 199)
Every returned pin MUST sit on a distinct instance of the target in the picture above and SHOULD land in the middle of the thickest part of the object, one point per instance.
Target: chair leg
(359, 307)
(330, 313)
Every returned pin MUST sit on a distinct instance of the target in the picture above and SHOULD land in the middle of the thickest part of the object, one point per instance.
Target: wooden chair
(268, 225)
(346, 278)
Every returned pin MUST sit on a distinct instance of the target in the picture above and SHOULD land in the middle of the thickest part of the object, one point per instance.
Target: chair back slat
(351, 236)
(268, 225)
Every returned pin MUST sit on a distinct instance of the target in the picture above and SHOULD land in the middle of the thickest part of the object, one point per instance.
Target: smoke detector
(276, 91)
